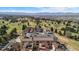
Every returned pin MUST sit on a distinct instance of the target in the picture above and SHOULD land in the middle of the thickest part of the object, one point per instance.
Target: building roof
(43, 37)
(27, 39)
(38, 36)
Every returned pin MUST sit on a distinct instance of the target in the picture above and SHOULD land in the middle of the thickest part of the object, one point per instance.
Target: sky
(40, 9)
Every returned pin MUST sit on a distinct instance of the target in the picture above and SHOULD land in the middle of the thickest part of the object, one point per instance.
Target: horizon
(40, 9)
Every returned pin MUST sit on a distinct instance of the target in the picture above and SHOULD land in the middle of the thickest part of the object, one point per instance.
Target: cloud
(54, 9)
(60, 8)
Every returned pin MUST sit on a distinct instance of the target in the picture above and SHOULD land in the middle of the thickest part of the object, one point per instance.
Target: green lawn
(71, 44)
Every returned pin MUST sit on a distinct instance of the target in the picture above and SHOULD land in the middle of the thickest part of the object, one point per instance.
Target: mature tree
(52, 22)
(28, 23)
(78, 38)
(52, 29)
(70, 29)
(45, 25)
(68, 24)
(2, 21)
(58, 22)
(62, 28)
(74, 37)
(64, 22)
(55, 30)
(4, 27)
(64, 33)
(1, 39)
(37, 22)
(60, 32)
(13, 33)
(2, 31)
(24, 27)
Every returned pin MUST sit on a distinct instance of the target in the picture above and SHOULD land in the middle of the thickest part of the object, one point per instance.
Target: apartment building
(39, 40)
(36, 39)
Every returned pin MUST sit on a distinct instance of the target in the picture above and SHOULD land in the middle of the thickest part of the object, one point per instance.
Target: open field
(71, 44)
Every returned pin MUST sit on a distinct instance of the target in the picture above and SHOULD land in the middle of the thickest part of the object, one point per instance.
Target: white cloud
(60, 8)
(54, 9)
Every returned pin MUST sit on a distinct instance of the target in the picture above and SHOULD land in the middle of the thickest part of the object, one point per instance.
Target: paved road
(11, 42)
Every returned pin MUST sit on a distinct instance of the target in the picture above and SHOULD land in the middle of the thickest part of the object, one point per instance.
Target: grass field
(71, 44)
(17, 25)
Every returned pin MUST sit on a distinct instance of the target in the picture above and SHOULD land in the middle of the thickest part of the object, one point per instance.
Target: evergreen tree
(14, 33)
(24, 27)
(52, 29)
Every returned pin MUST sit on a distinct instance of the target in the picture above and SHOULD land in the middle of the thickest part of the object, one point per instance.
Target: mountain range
(30, 14)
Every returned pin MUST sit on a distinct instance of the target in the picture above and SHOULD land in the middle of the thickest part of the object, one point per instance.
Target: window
(43, 45)
(37, 44)
(48, 44)
(47, 41)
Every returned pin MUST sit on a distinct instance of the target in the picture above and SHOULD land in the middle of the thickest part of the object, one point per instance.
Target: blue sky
(39, 9)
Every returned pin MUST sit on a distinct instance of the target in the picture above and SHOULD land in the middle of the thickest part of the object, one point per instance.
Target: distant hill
(39, 14)
(52, 16)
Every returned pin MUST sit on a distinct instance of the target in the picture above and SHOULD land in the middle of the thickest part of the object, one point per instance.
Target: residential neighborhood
(39, 31)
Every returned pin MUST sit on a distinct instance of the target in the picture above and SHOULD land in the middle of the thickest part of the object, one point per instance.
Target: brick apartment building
(37, 40)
